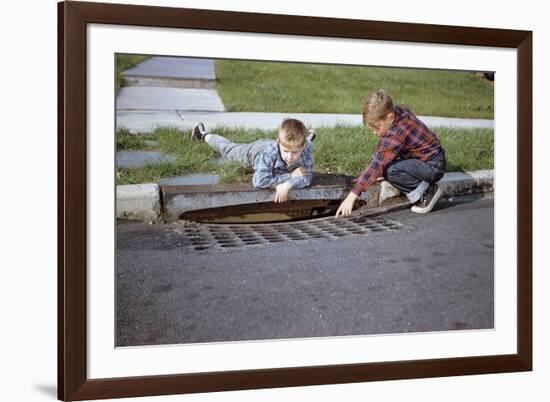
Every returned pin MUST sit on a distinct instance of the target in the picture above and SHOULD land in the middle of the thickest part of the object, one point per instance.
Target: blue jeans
(413, 177)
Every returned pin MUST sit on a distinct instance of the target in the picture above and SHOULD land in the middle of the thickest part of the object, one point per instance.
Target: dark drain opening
(267, 212)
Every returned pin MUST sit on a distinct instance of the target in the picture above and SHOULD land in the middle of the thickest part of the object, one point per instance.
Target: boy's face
(380, 127)
(289, 153)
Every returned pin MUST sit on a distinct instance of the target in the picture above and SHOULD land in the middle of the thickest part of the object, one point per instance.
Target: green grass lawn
(312, 88)
(341, 149)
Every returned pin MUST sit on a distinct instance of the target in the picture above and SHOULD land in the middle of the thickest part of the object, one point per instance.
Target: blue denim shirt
(270, 169)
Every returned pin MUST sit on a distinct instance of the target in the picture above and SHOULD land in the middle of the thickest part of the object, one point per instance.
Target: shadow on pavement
(449, 202)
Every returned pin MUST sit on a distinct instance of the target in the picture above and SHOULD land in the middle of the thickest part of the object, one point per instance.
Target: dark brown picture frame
(73, 382)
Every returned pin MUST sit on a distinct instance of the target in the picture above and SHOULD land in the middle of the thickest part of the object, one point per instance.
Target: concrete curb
(180, 199)
(139, 202)
(456, 183)
(154, 203)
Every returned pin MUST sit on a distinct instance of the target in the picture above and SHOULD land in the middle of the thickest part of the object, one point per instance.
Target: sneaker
(311, 135)
(198, 132)
(428, 200)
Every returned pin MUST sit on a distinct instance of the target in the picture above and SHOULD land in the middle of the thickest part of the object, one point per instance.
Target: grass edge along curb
(339, 150)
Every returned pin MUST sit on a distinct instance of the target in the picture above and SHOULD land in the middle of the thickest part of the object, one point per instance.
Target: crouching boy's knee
(390, 172)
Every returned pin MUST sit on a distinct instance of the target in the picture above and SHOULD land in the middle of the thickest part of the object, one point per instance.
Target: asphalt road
(435, 274)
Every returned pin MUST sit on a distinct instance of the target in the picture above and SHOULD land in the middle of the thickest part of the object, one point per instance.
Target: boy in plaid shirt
(408, 155)
(284, 164)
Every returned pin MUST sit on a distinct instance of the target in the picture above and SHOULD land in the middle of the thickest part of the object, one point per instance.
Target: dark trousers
(408, 174)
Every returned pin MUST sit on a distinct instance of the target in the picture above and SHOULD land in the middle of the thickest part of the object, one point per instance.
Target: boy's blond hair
(293, 133)
(377, 107)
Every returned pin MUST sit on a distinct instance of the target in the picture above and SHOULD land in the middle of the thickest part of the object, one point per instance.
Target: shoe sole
(425, 210)
(201, 130)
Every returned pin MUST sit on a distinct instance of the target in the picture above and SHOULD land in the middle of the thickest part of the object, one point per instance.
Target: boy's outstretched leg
(227, 149)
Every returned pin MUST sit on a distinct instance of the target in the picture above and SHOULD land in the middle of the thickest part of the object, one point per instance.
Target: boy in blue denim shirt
(284, 164)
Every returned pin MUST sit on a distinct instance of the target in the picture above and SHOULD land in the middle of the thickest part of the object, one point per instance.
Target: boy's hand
(281, 191)
(346, 206)
(301, 171)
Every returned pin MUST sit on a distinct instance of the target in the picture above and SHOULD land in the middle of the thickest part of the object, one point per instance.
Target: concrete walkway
(177, 92)
(153, 99)
(147, 120)
(174, 72)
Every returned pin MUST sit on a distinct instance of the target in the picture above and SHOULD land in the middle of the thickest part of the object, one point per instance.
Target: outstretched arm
(346, 206)
(387, 149)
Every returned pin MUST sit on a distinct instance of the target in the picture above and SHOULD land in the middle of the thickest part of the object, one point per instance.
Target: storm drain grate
(215, 236)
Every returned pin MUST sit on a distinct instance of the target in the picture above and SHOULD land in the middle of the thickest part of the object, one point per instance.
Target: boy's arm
(376, 166)
(307, 165)
(386, 151)
(263, 172)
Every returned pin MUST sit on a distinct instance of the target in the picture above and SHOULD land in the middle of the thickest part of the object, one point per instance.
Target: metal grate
(216, 237)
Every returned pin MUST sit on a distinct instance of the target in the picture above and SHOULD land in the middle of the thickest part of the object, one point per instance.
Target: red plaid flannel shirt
(406, 138)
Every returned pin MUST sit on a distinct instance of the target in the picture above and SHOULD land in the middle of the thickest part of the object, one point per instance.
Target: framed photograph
(165, 306)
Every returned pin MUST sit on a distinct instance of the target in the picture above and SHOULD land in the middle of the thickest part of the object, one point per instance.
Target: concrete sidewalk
(178, 100)
(145, 121)
(173, 72)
